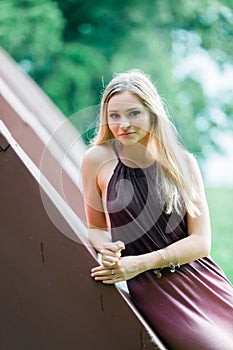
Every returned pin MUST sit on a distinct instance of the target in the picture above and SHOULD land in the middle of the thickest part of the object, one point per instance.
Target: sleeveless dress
(191, 309)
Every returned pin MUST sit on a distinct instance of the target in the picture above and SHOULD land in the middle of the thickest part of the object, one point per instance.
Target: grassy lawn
(220, 202)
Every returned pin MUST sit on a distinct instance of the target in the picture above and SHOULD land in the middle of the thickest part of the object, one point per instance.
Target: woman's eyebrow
(112, 110)
(127, 110)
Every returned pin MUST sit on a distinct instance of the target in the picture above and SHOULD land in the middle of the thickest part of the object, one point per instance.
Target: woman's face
(128, 119)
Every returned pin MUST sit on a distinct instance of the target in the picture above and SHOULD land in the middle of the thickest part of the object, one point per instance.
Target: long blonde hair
(173, 157)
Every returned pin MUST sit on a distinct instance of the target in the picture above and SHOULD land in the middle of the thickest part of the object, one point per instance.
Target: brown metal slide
(47, 297)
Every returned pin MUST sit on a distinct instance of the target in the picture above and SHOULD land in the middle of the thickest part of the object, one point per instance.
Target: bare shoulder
(97, 167)
(96, 155)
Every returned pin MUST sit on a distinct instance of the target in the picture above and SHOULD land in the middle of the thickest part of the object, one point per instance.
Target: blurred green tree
(71, 48)
(32, 33)
(156, 36)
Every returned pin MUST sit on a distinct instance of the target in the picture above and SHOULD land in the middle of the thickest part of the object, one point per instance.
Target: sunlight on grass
(221, 213)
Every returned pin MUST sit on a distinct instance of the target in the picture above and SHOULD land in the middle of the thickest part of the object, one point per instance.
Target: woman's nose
(124, 123)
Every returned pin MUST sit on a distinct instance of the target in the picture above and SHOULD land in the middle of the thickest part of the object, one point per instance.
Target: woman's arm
(195, 246)
(96, 219)
(198, 242)
(98, 232)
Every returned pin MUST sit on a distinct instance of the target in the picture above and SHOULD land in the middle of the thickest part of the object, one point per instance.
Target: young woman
(148, 218)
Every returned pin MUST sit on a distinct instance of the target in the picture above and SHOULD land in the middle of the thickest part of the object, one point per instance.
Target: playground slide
(47, 298)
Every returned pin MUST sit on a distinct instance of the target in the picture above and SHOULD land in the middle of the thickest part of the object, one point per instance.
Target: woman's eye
(134, 113)
(114, 116)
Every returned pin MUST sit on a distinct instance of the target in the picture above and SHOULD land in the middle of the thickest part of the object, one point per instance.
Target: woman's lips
(126, 134)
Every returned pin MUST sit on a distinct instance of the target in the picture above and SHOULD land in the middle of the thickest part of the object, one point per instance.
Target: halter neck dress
(191, 309)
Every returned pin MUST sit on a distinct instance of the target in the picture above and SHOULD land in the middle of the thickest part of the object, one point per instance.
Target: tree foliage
(71, 48)
(32, 33)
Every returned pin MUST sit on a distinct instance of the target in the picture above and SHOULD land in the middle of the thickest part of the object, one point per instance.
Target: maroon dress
(191, 309)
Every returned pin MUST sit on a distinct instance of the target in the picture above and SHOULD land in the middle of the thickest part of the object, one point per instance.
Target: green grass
(220, 202)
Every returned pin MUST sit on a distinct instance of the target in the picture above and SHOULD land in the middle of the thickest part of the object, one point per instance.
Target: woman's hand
(125, 269)
(111, 253)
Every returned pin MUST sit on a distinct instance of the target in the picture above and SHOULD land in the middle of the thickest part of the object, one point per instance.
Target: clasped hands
(114, 268)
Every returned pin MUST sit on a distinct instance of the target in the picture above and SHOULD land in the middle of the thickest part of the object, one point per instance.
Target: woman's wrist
(155, 260)
(150, 261)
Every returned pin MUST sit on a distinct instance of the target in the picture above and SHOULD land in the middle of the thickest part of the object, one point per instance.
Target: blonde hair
(173, 158)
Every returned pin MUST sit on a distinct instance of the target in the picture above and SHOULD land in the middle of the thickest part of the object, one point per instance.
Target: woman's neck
(137, 154)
